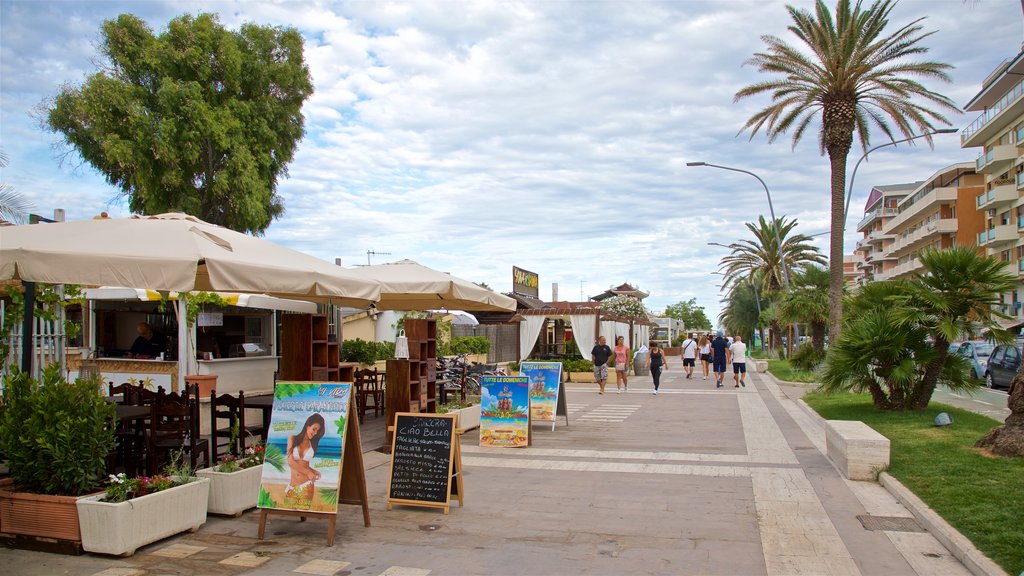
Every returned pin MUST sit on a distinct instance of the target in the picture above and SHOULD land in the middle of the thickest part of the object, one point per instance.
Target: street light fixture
(849, 189)
(771, 209)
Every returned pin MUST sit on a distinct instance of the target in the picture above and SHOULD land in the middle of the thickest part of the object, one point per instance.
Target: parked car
(977, 353)
(1002, 366)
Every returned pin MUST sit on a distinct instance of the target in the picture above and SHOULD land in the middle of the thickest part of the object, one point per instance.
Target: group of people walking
(715, 354)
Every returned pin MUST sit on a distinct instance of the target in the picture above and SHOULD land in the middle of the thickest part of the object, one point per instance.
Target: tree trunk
(837, 158)
(818, 336)
(1008, 439)
(922, 392)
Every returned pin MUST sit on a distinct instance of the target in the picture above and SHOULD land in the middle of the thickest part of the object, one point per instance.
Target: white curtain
(529, 330)
(622, 329)
(608, 331)
(583, 333)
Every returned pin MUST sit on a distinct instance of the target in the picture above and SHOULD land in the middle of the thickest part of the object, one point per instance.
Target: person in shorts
(621, 364)
(705, 353)
(719, 357)
(599, 356)
(688, 350)
(738, 352)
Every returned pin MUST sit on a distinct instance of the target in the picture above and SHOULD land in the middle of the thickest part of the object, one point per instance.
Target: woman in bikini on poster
(302, 449)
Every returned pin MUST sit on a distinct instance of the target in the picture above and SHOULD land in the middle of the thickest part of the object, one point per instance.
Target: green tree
(13, 206)
(851, 75)
(806, 302)
(741, 312)
(692, 315)
(197, 119)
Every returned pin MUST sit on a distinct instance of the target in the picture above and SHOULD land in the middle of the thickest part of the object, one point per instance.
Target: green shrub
(466, 345)
(514, 366)
(366, 352)
(578, 365)
(806, 358)
(56, 434)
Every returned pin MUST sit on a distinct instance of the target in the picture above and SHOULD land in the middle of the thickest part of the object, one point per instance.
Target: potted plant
(56, 436)
(235, 480)
(137, 511)
(469, 414)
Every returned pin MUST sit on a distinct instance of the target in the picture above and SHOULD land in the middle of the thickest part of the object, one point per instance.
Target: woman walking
(705, 354)
(621, 364)
(655, 362)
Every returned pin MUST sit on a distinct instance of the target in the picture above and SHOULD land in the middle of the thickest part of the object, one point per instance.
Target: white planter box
(234, 492)
(469, 418)
(120, 528)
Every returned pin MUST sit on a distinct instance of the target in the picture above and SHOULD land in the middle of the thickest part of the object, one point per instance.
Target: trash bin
(640, 364)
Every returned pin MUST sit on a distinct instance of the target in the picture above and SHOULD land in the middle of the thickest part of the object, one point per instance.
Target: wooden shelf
(412, 383)
(306, 353)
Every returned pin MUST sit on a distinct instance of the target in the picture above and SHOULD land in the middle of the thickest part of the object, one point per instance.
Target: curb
(954, 541)
(958, 545)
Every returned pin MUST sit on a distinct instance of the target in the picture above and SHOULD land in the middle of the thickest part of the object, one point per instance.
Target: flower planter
(469, 417)
(232, 493)
(120, 528)
(39, 515)
(581, 377)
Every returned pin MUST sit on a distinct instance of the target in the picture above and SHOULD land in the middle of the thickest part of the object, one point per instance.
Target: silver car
(977, 353)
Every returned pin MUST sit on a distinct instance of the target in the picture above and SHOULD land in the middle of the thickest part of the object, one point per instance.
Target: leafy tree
(197, 119)
(895, 340)
(851, 75)
(692, 315)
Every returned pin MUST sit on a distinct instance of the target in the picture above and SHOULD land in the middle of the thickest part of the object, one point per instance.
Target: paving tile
(178, 551)
(401, 571)
(246, 559)
(120, 571)
(322, 567)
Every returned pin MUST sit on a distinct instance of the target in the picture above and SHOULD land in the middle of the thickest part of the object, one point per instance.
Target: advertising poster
(306, 439)
(504, 411)
(544, 384)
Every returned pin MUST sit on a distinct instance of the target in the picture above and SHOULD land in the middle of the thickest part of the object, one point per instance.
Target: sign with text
(545, 383)
(422, 459)
(306, 439)
(525, 282)
(504, 411)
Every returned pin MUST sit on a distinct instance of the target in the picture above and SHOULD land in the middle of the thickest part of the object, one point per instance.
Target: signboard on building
(525, 282)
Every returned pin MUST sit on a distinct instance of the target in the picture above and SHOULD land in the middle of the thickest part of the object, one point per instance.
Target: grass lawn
(783, 371)
(980, 495)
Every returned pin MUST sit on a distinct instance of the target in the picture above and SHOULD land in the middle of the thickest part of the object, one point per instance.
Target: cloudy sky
(553, 136)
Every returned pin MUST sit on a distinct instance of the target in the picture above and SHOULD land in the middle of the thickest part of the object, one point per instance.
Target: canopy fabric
(529, 331)
(584, 332)
(174, 252)
(407, 285)
(261, 301)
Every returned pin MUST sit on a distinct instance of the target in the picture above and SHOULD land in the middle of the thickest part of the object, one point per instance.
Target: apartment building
(999, 134)
(938, 213)
(871, 254)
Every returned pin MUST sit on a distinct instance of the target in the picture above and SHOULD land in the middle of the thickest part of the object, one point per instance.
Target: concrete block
(856, 449)
(760, 366)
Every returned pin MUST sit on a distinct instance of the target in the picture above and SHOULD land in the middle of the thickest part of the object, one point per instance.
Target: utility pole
(372, 253)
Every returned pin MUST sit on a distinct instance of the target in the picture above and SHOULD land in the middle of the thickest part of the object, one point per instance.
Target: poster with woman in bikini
(307, 425)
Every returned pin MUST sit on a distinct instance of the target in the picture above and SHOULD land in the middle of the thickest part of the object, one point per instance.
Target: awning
(261, 301)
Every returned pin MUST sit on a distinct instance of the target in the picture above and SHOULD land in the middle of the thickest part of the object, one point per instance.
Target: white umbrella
(174, 252)
(406, 285)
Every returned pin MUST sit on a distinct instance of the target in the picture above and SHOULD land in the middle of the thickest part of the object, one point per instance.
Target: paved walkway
(692, 481)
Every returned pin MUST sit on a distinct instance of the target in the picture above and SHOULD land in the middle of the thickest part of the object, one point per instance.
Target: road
(991, 403)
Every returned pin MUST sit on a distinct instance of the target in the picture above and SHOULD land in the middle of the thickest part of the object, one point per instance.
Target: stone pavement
(693, 480)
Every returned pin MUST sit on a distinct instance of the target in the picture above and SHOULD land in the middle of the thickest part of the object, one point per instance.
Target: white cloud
(475, 136)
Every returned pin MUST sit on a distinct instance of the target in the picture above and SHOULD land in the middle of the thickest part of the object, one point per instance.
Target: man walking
(719, 357)
(689, 354)
(738, 351)
(599, 356)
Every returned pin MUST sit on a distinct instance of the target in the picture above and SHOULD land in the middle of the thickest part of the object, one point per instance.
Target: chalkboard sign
(424, 457)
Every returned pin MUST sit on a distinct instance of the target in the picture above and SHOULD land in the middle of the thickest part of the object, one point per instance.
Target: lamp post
(757, 299)
(771, 209)
(849, 189)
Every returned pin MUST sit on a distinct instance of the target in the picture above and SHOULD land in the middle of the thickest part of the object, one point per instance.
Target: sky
(477, 136)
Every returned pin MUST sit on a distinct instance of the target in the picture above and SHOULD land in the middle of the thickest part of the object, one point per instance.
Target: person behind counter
(149, 344)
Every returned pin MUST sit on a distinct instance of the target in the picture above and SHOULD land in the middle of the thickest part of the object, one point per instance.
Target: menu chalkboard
(424, 456)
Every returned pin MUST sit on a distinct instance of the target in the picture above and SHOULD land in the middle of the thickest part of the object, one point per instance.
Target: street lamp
(771, 209)
(753, 286)
(849, 189)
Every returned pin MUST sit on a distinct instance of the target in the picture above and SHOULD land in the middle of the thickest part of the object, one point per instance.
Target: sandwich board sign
(505, 411)
(547, 392)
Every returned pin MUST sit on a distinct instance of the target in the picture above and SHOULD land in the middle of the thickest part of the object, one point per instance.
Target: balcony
(984, 127)
(1020, 180)
(909, 211)
(904, 269)
(1002, 234)
(877, 236)
(998, 159)
(876, 213)
(1002, 193)
(1020, 267)
(924, 235)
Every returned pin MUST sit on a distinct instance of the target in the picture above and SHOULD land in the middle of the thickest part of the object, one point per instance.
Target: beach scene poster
(505, 411)
(544, 384)
(307, 427)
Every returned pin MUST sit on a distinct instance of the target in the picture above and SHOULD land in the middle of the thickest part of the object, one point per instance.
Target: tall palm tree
(764, 260)
(740, 315)
(13, 206)
(852, 75)
(806, 302)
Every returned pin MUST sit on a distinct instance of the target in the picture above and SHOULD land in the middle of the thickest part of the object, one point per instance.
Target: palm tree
(853, 76)
(740, 315)
(807, 302)
(958, 292)
(13, 206)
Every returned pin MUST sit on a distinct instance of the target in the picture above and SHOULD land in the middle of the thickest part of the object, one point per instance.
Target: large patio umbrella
(407, 285)
(174, 252)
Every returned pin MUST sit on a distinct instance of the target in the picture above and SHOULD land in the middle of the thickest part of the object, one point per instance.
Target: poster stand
(353, 483)
(562, 409)
(454, 474)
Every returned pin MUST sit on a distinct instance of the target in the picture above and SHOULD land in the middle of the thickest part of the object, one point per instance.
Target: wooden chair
(224, 411)
(174, 425)
(129, 453)
(129, 394)
(368, 393)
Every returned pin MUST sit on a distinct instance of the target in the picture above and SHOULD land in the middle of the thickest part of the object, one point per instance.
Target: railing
(1019, 136)
(1020, 180)
(983, 198)
(886, 211)
(992, 112)
(1020, 222)
(982, 237)
(1020, 265)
